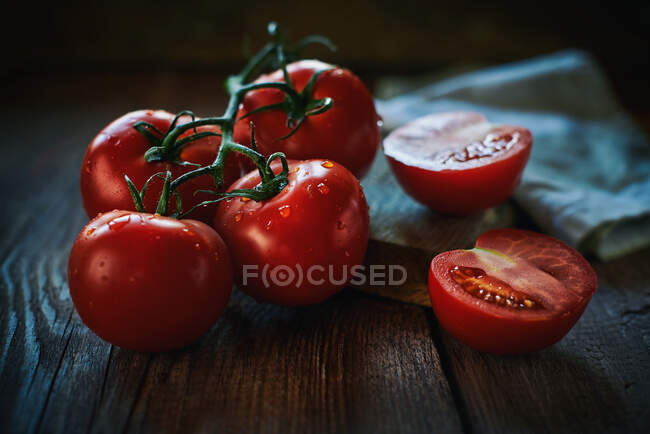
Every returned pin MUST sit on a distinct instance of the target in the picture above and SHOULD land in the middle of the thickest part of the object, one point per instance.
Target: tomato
(319, 222)
(515, 292)
(119, 149)
(458, 163)
(347, 133)
(146, 282)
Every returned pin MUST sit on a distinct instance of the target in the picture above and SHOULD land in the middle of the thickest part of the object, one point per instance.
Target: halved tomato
(515, 292)
(458, 163)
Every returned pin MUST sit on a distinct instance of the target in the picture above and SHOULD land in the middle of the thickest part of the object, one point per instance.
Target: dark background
(356, 363)
(375, 37)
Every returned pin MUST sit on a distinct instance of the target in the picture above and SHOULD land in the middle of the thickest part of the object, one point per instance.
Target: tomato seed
(479, 284)
(490, 146)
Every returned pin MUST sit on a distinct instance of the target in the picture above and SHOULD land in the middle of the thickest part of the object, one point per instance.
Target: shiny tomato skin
(347, 133)
(464, 189)
(502, 330)
(319, 219)
(119, 149)
(146, 282)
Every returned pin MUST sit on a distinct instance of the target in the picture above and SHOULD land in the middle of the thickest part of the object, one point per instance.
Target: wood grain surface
(359, 362)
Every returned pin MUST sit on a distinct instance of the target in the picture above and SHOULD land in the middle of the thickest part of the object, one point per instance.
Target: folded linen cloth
(588, 179)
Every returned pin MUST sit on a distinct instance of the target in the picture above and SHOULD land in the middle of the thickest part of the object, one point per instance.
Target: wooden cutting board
(405, 233)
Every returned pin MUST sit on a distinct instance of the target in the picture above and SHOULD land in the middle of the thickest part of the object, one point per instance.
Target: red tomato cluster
(150, 282)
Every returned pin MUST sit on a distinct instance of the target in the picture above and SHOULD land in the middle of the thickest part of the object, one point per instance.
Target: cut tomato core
(488, 147)
(481, 285)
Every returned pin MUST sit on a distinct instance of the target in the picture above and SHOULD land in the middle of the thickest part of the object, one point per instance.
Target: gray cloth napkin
(588, 179)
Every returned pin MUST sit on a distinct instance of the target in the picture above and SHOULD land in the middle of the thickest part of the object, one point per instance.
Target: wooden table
(356, 363)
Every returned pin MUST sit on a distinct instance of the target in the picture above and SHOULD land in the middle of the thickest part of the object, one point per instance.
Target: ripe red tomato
(515, 292)
(319, 222)
(146, 282)
(347, 133)
(119, 149)
(458, 163)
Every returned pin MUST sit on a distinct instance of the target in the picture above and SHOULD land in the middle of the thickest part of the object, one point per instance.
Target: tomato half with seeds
(458, 163)
(149, 283)
(347, 133)
(300, 246)
(515, 292)
(119, 149)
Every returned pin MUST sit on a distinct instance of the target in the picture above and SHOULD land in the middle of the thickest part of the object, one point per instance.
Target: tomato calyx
(167, 146)
(299, 107)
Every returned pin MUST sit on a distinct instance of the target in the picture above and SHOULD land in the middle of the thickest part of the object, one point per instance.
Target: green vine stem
(167, 146)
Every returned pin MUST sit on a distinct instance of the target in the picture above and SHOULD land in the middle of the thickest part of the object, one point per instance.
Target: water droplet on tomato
(268, 225)
(197, 246)
(244, 199)
(340, 225)
(327, 164)
(119, 222)
(157, 237)
(90, 231)
(285, 211)
(324, 189)
(216, 256)
(238, 217)
(347, 253)
(296, 169)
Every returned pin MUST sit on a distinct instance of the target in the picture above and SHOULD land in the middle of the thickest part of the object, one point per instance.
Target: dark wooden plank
(594, 380)
(357, 363)
(354, 363)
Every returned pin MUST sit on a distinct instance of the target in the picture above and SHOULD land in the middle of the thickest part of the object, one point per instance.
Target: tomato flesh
(146, 282)
(347, 133)
(458, 163)
(515, 292)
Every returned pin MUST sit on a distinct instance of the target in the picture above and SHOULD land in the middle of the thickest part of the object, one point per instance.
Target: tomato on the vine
(458, 163)
(147, 282)
(119, 149)
(515, 292)
(284, 249)
(347, 133)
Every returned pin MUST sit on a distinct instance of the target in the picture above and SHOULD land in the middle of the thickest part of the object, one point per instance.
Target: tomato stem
(167, 146)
